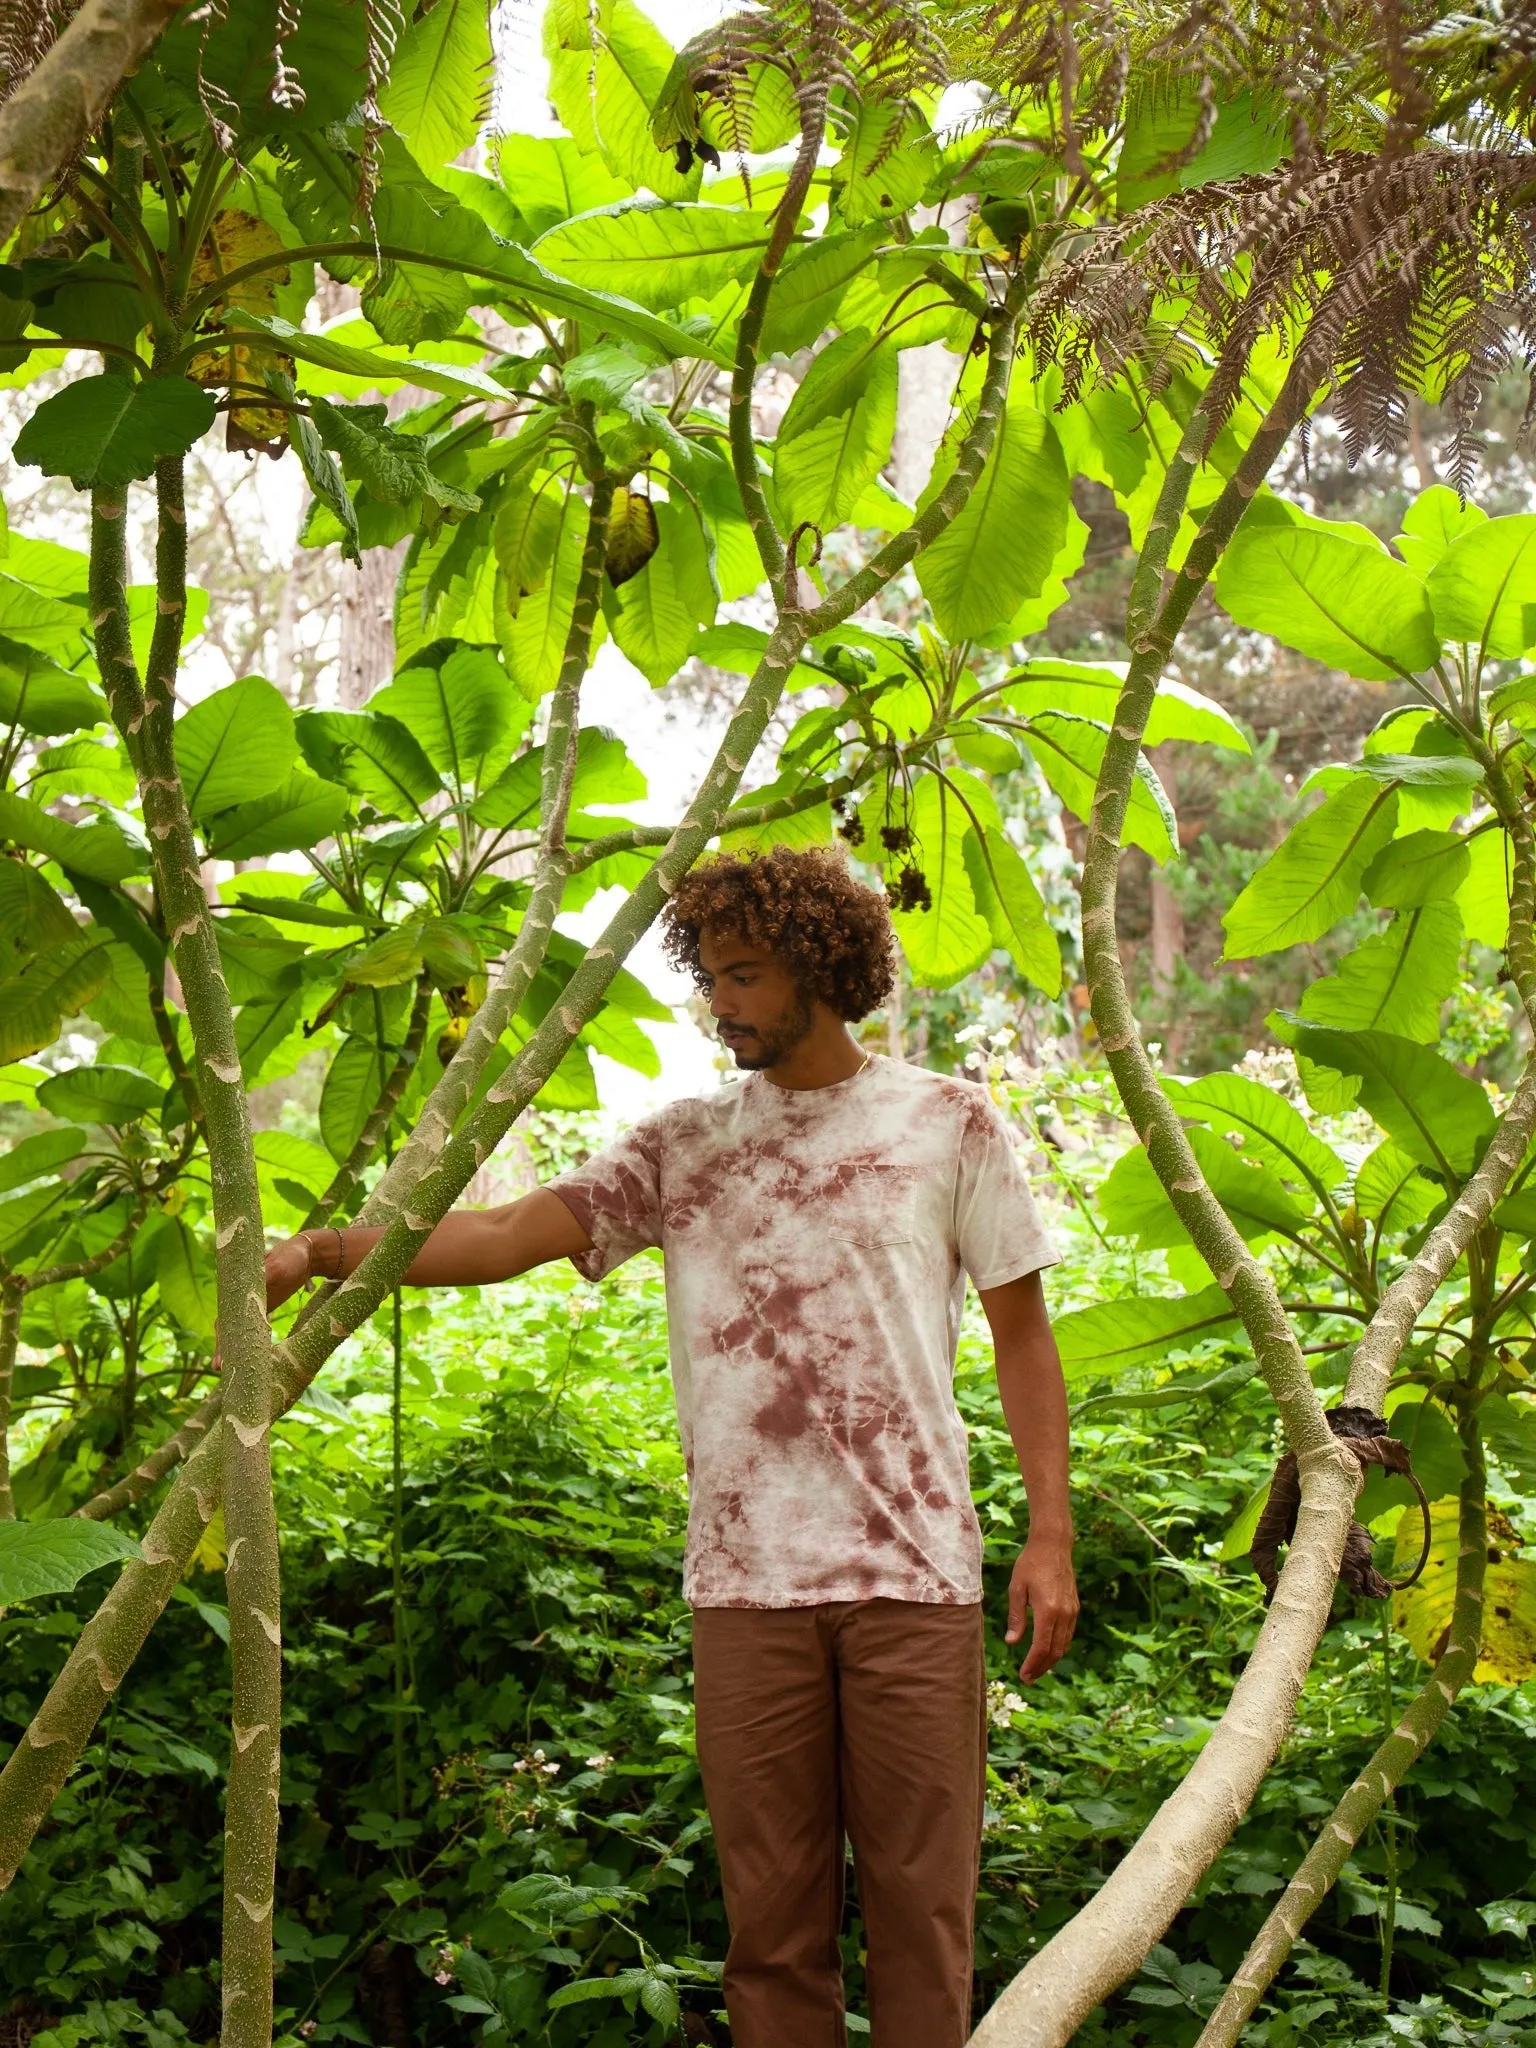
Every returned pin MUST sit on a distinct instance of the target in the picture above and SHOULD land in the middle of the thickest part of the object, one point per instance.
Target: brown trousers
(860, 1716)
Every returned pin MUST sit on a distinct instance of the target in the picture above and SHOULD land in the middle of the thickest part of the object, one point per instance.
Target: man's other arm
(1034, 1397)
(468, 1248)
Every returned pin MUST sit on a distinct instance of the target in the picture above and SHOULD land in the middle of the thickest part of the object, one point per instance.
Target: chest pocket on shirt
(874, 1207)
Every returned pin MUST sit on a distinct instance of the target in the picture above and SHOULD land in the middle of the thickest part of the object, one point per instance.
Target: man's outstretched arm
(1034, 1397)
(468, 1248)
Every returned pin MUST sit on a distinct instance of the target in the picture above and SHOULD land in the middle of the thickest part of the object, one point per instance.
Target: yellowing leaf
(1423, 1612)
(236, 239)
(633, 535)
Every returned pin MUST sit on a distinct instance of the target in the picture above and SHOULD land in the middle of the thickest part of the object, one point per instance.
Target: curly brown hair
(832, 932)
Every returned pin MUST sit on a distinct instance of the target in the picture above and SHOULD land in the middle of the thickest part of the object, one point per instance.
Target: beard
(754, 1049)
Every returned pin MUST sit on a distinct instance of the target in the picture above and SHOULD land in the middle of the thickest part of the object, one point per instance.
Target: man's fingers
(1054, 1628)
(1018, 1604)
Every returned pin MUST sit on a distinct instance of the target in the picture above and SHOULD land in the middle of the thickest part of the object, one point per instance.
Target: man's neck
(823, 1057)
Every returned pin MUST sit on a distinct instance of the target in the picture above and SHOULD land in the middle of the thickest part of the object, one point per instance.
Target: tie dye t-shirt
(816, 1245)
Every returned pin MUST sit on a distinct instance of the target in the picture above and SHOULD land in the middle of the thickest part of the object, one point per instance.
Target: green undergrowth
(551, 1835)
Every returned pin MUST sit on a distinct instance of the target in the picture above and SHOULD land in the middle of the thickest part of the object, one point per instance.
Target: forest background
(491, 1823)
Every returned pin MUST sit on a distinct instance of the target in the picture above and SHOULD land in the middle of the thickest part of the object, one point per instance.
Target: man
(817, 1224)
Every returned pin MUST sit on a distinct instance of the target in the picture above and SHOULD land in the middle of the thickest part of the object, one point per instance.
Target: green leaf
(952, 938)
(81, 767)
(184, 1274)
(1133, 1203)
(1509, 1431)
(1248, 133)
(40, 697)
(1335, 600)
(113, 430)
(810, 286)
(235, 745)
(533, 641)
(1113, 1336)
(439, 79)
(887, 160)
(999, 548)
(1068, 751)
(33, 916)
(1007, 898)
(353, 1084)
(1483, 897)
(1092, 690)
(1422, 867)
(1395, 981)
(39, 1558)
(658, 611)
(1430, 1111)
(1434, 519)
(59, 984)
(34, 1158)
(100, 1095)
(462, 710)
(100, 851)
(655, 253)
(263, 1028)
(375, 756)
(836, 434)
(300, 812)
(453, 380)
(550, 178)
(1314, 877)
(323, 473)
(660, 2000)
(1264, 1124)
(1238, 1540)
(1391, 1191)
(605, 374)
(1483, 588)
(607, 66)
(393, 467)
(393, 958)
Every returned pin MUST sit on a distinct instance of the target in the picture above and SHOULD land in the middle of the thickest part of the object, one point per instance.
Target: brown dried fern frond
(1395, 276)
(868, 49)
(28, 31)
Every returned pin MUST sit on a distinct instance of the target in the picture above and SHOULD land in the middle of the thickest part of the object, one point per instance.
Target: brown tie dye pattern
(816, 1246)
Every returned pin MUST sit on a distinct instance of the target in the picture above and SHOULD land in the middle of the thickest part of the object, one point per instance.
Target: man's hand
(1043, 1584)
(289, 1265)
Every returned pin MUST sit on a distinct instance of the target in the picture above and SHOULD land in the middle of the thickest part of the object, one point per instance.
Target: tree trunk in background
(367, 656)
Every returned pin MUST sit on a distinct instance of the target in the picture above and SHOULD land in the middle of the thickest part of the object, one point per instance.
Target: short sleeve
(997, 1225)
(616, 1198)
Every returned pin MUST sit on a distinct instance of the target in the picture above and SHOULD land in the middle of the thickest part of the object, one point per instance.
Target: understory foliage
(642, 381)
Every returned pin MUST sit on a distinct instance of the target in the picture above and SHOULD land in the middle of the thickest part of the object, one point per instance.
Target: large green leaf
(1068, 751)
(607, 66)
(888, 157)
(301, 812)
(1112, 1336)
(1421, 867)
(40, 697)
(378, 367)
(1133, 1203)
(655, 253)
(34, 1158)
(100, 1095)
(58, 984)
(549, 178)
(392, 466)
(533, 641)
(353, 1084)
(184, 1274)
(99, 851)
(1336, 600)
(113, 430)
(1483, 588)
(234, 745)
(33, 916)
(1092, 690)
(439, 79)
(657, 613)
(1264, 1124)
(1427, 1108)
(1006, 896)
(951, 938)
(811, 284)
(1314, 877)
(39, 1558)
(836, 434)
(999, 548)
(463, 711)
(263, 1029)
(1435, 519)
(375, 756)
(1391, 1191)
(1395, 981)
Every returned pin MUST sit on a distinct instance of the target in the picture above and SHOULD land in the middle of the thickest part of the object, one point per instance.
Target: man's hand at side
(1044, 1586)
(1034, 1398)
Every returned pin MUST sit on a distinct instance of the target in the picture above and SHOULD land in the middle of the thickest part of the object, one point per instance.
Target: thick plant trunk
(1391, 1763)
(55, 107)
(10, 1330)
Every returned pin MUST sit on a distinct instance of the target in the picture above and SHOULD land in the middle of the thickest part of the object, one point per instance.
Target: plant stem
(1387, 1819)
(1391, 1763)
(396, 1549)
(10, 1332)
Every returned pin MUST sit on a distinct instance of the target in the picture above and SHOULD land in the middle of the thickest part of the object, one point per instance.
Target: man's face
(761, 1013)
